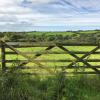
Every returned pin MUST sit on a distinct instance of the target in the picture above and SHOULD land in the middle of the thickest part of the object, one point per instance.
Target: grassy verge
(14, 86)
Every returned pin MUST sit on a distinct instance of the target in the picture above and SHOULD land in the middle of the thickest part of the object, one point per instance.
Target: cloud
(28, 13)
(12, 6)
(40, 1)
(85, 5)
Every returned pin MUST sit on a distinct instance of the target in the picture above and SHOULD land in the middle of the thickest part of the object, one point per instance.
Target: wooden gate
(78, 62)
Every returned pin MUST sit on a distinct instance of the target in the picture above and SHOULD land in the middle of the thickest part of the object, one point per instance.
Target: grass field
(54, 64)
(41, 85)
(65, 33)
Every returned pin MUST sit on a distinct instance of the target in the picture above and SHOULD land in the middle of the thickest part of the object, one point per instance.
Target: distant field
(51, 33)
(65, 33)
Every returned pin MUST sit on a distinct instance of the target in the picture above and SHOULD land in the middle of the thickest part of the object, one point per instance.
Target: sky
(49, 15)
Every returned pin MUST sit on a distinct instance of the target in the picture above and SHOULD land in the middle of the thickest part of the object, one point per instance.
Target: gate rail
(49, 46)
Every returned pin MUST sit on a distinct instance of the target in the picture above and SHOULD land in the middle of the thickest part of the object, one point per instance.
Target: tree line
(45, 37)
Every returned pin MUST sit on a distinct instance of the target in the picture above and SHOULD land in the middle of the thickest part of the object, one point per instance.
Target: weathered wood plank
(53, 60)
(67, 73)
(58, 67)
(43, 44)
(3, 56)
(51, 52)
(82, 73)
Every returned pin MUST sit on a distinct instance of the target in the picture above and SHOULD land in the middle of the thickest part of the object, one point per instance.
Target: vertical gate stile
(3, 62)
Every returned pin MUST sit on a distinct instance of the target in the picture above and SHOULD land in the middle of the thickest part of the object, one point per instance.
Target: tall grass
(15, 86)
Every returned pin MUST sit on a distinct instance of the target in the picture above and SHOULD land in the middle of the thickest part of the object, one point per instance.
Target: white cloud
(14, 9)
(14, 13)
(12, 6)
(40, 1)
(86, 3)
(9, 2)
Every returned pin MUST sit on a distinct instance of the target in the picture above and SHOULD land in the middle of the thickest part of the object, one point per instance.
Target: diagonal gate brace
(29, 59)
(80, 59)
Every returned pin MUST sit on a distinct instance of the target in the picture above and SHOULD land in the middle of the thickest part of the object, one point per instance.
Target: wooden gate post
(3, 63)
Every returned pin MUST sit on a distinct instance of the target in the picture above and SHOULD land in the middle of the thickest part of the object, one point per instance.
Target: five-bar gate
(92, 65)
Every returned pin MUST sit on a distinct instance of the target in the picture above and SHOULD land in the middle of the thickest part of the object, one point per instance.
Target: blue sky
(49, 15)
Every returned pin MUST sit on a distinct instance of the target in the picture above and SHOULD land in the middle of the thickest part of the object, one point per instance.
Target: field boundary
(49, 46)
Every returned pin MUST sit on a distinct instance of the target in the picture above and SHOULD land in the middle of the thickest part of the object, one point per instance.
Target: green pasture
(45, 87)
(52, 65)
(51, 33)
(40, 85)
(64, 33)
